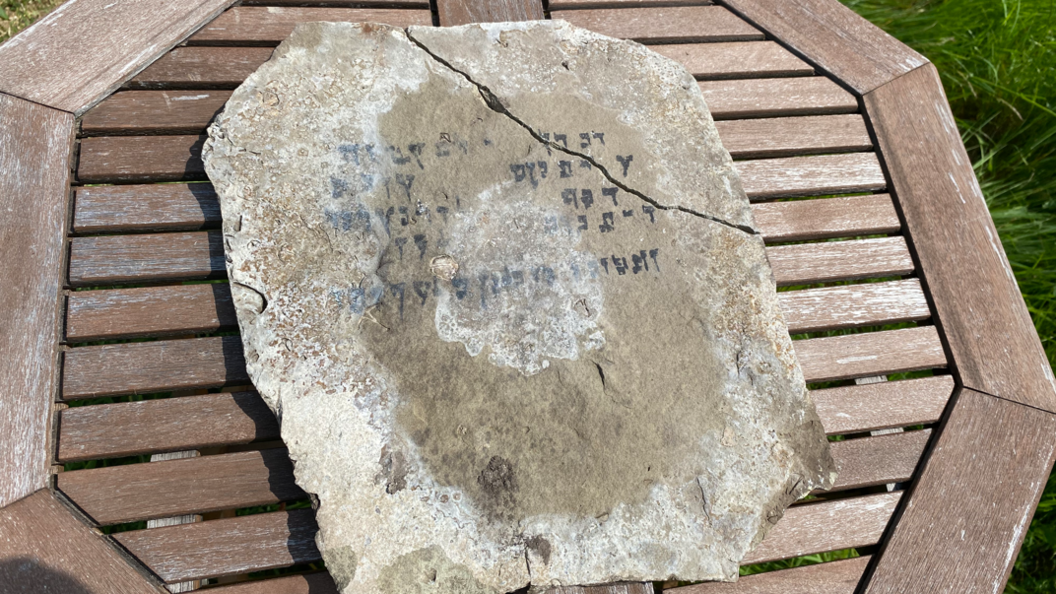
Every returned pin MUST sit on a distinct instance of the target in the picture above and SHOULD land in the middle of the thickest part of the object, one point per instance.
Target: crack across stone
(493, 103)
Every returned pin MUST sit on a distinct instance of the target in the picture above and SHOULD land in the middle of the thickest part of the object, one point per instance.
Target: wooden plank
(154, 112)
(115, 259)
(735, 59)
(341, 3)
(134, 492)
(269, 25)
(882, 405)
(836, 577)
(573, 4)
(875, 353)
(879, 460)
(123, 258)
(224, 547)
(462, 12)
(849, 306)
(785, 137)
(170, 424)
(309, 583)
(110, 159)
(966, 517)
(811, 176)
(35, 144)
(833, 37)
(149, 311)
(670, 24)
(145, 367)
(826, 526)
(977, 302)
(153, 207)
(829, 261)
(46, 549)
(621, 588)
(846, 216)
(775, 97)
(83, 50)
(202, 68)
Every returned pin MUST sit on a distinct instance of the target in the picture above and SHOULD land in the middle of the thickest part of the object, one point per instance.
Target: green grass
(996, 59)
(16, 15)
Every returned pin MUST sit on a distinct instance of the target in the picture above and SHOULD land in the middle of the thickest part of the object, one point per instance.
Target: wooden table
(113, 285)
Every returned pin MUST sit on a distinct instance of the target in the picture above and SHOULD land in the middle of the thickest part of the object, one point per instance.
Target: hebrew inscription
(515, 321)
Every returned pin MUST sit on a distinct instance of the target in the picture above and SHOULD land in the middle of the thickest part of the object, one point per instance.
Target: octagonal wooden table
(119, 341)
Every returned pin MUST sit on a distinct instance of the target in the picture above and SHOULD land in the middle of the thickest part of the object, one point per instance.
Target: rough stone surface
(500, 285)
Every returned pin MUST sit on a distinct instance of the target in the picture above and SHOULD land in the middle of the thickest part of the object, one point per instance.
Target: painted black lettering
(611, 193)
(606, 222)
(625, 162)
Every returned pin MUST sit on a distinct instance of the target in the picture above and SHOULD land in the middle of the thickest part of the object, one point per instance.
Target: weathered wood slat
(154, 112)
(199, 255)
(309, 583)
(574, 4)
(35, 144)
(735, 59)
(620, 588)
(834, 37)
(977, 301)
(765, 179)
(170, 424)
(848, 306)
(145, 367)
(836, 577)
(46, 549)
(776, 97)
(83, 50)
(462, 12)
(201, 68)
(847, 216)
(827, 526)
(134, 492)
(149, 311)
(671, 24)
(828, 261)
(127, 368)
(785, 137)
(225, 547)
(269, 25)
(874, 353)
(150, 207)
(123, 258)
(879, 460)
(966, 517)
(882, 405)
(341, 3)
(109, 159)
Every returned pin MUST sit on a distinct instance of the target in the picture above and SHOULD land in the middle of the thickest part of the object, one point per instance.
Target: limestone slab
(501, 286)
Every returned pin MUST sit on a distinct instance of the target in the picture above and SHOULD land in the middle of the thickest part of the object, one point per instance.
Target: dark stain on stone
(498, 483)
(540, 546)
(393, 471)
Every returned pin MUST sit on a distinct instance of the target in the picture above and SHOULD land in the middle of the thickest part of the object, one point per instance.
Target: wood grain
(874, 353)
(83, 50)
(977, 302)
(826, 526)
(833, 37)
(735, 59)
(766, 179)
(225, 547)
(828, 261)
(44, 548)
(882, 405)
(849, 306)
(115, 259)
(879, 460)
(149, 311)
(620, 588)
(152, 207)
(146, 367)
(269, 25)
(462, 12)
(110, 159)
(573, 4)
(309, 583)
(784, 137)
(134, 492)
(164, 425)
(836, 577)
(669, 24)
(122, 258)
(826, 218)
(966, 517)
(35, 144)
(154, 112)
(775, 97)
(201, 68)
